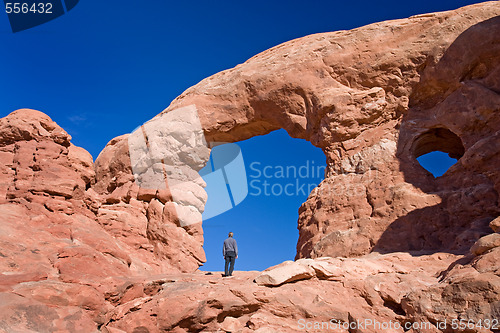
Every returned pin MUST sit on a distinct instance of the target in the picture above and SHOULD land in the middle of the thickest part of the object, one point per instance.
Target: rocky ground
(85, 248)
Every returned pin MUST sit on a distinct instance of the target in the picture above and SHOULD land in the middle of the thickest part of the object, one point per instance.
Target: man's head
(230, 234)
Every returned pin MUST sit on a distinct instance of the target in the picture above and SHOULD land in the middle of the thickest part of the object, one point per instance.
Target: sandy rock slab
(375, 286)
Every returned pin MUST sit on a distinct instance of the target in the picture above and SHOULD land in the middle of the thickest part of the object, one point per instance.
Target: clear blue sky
(281, 172)
(105, 67)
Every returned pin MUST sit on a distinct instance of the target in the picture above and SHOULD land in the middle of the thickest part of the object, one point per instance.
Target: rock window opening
(437, 150)
(281, 171)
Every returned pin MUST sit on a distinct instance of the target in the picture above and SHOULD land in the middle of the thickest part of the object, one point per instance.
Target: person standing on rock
(230, 253)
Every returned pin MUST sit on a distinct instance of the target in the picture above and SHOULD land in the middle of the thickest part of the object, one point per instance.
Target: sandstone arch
(355, 94)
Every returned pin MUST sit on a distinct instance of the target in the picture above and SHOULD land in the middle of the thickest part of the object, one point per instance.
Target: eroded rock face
(468, 290)
(38, 158)
(141, 216)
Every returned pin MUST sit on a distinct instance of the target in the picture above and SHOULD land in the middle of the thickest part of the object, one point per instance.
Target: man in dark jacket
(230, 253)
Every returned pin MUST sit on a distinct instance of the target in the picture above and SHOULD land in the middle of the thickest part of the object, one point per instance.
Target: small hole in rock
(395, 307)
(437, 150)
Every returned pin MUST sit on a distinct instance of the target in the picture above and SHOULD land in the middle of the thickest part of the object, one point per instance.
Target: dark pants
(229, 260)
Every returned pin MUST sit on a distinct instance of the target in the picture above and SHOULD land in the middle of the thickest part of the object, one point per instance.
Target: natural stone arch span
(345, 100)
(348, 93)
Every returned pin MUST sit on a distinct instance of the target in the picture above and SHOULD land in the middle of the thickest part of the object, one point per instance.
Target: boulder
(495, 225)
(285, 272)
(231, 324)
(485, 243)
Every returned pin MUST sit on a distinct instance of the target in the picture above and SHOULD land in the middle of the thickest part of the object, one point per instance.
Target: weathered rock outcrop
(371, 287)
(64, 245)
(140, 216)
(84, 248)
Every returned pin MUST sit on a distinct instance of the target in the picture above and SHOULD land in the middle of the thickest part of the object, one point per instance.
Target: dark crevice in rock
(395, 307)
(238, 311)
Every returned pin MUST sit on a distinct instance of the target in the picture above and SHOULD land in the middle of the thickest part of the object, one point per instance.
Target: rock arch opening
(281, 171)
(437, 149)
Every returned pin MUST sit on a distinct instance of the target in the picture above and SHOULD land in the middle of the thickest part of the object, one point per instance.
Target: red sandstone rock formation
(85, 249)
(374, 99)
